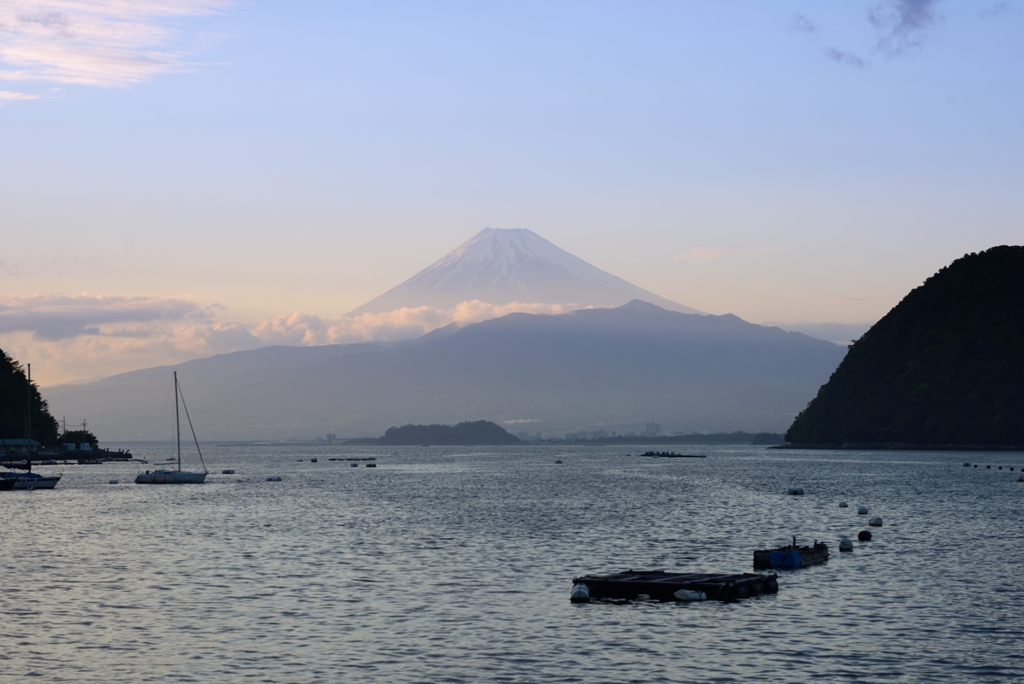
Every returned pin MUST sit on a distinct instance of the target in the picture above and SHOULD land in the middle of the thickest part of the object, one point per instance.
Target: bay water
(456, 564)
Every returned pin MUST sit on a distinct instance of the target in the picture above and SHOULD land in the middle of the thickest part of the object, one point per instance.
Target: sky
(180, 179)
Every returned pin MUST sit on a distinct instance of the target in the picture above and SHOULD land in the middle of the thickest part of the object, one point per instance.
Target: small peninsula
(943, 369)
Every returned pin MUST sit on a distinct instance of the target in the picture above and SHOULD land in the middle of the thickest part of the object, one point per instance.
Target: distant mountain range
(612, 369)
(501, 266)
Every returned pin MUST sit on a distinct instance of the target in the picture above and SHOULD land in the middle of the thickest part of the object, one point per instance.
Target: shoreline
(899, 446)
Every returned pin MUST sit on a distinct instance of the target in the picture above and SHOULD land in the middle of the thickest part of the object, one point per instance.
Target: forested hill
(944, 367)
(478, 432)
(14, 392)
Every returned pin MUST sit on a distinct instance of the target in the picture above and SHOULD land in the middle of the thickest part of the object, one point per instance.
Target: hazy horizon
(186, 179)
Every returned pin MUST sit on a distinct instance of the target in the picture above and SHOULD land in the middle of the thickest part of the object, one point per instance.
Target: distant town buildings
(20, 446)
(652, 430)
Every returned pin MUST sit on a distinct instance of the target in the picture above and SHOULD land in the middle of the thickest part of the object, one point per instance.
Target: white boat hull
(170, 477)
(36, 482)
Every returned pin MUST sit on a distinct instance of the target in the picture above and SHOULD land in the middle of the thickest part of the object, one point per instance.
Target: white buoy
(580, 593)
(274, 478)
(690, 595)
(875, 522)
(113, 482)
(796, 491)
(842, 504)
(862, 510)
(845, 544)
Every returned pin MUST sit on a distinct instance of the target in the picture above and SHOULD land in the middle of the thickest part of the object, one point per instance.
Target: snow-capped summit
(501, 266)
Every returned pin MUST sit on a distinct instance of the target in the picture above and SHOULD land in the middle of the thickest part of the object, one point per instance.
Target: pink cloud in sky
(95, 42)
(90, 336)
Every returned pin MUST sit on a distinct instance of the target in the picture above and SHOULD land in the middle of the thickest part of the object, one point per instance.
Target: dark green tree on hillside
(80, 437)
(945, 366)
(14, 400)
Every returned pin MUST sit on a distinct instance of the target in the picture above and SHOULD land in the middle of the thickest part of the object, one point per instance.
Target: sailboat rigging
(178, 476)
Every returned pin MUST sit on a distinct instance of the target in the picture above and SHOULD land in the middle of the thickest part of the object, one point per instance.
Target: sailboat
(178, 476)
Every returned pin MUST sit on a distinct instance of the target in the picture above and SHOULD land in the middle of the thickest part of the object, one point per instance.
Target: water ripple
(454, 565)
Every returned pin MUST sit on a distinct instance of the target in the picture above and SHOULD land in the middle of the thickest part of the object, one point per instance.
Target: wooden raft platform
(673, 586)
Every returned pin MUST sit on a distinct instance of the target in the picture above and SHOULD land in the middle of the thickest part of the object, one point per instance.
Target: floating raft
(672, 586)
(791, 556)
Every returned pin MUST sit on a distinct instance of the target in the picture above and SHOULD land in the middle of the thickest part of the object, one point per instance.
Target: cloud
(903, 25)
(96, 42)
(700, 254)
(843, 57)
(704, 254)
(802, 24)
(88, 336)
(9, 95)
(896, 27)
(400, 324)
(56, 317)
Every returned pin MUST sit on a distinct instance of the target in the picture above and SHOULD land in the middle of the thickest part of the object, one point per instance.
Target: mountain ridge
(945, 366)
(593, 368)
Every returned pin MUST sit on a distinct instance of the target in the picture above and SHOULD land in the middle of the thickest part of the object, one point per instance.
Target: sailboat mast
(177, 421)
(28, 413)
(28, 421)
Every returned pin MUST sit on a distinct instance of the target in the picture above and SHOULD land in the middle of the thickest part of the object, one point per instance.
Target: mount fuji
(501, 266)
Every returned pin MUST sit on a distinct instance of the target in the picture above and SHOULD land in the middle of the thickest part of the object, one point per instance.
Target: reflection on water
(456, 565)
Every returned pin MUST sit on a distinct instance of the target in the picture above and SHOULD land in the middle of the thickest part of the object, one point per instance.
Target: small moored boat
(791, 556)
(29, 480)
